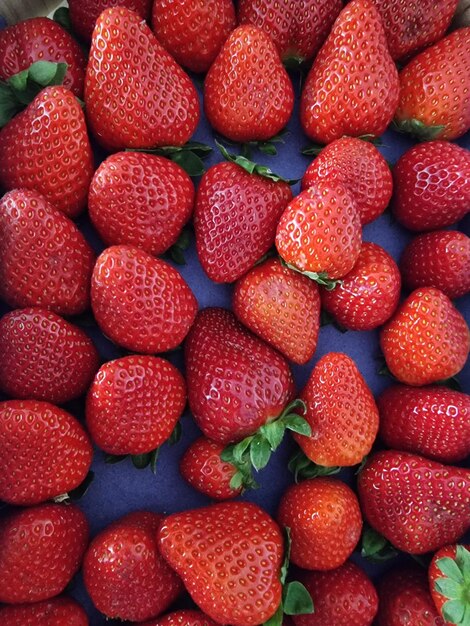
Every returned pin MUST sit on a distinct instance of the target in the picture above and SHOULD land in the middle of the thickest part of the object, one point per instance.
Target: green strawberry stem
(375, 547)
(302, 467)
(177, 250)
(454, 585)
(319, 277)
(417, 129)
(62, 17)
(189, 157)
(78, 492)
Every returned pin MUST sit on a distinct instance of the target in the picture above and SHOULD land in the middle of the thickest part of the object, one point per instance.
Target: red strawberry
(360, 167)
(352, 88)
(123, 570)
(44, 259)
(435, 90)
(45, 452)
(432, 421)
(141, 302)
(368, 296)
(432, 185)
(297, 28)
(44, 357)
(41, 548)
(183, 617)
(193, 32)
(282, 307)
(439, 259)
(61, 611)
(235, 219)
(248, 95)
(449, 583)
(427, 340)
(156, 104)
(84, 13)
(417, 504)
(46, 148)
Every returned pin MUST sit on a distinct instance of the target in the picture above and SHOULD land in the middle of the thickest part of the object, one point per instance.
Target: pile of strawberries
(296, 262)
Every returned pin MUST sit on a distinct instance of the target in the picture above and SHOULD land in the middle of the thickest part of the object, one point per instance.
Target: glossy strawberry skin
(183, 617)
(134, 403)
(417, 504)
(45, 260)
(156, 106)
(366, 103)
(84, 13)
(141, 302)
(46, 148)
(44, 357)
(235, 219)
(60, 611)
(248, 95)
(431, 185)
(236, 382)
(282, 307)
(41, 548)
(238, 540)
(124, 572)
(368, 296)
(427, 340)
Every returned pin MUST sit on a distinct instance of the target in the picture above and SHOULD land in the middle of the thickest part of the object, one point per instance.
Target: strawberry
(432, 421)
(124, 572)
(61, 611)
(44, 357)
(248, 95)
(432, 185)
(185, 617)
(41, 548)
(360, 167)
(46, 148)
(155, 105)
(45, 452)
(123, 214)
(280, 306)
(235, 219)
(84, 13)
(368, 295)
(193, 32)
(439, 259)
(45, 260)
(434, 90)
(362, 96)
(141, 302)
(417, 504)
(449, 583)
(297, 29)
(427, 340)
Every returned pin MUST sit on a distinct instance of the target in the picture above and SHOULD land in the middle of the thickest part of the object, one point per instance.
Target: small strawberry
(184, 617)
(61, 611)
(449, 582)
(41, 548)
(155, 104)
(353, 87)
(84, 13)
(45, 260)
(417, 504)
(427, 340)
(141, 302)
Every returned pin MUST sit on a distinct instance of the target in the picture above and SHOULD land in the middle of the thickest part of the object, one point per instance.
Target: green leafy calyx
(250, 166)
(454, 585)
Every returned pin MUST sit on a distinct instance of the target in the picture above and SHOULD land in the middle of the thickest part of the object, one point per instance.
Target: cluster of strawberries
(291, 259)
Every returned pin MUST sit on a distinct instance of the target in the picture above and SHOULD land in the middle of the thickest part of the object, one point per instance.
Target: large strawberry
(61, 611)
(84, 13)
(352, 88)
(141, 302)
(417, 504)
(155, 105)
(45, 260)
(41, 548)
(449, 582)
(183, 617)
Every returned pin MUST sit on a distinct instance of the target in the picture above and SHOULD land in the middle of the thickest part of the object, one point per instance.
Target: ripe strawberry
(46, 148)
(235, 219)
(183, 617)
(41, 548)
(360, 167)
(432, 185)
(362, 96)
(319, 233)
(280, 306)
(141, 302)
(432, 421)
(427, 340)
(44, 259)
(439, 259)
(368, 295)
(156, 104)
(449, 583)
(61, 611)
(140, 199)
(193, 32)
(297, 28)
(44, 357)
(248, 95)
(417, 504)
(434, 90)
(84, 13)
